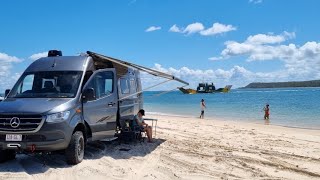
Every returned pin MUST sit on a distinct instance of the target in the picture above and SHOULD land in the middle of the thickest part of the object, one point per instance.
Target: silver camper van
(62, 102)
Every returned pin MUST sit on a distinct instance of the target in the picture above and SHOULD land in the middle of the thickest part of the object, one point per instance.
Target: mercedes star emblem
(15, 122)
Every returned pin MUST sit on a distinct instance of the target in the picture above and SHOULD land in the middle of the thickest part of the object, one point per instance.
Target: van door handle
(110, 104)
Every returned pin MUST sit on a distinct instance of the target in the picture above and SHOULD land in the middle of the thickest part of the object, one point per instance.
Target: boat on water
(187, 91)
(205, 88)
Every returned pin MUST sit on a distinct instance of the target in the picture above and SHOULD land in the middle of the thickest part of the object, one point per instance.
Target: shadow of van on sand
(36, 163)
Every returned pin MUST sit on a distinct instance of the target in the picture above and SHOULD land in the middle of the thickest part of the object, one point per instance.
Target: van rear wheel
(75, 151)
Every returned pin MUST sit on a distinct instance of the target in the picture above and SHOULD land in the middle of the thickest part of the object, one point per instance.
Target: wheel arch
(85, 129)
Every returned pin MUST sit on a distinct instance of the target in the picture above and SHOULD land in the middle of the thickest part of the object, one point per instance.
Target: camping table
(155, 127)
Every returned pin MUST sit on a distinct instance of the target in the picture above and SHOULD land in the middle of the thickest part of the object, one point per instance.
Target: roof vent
(53, 53)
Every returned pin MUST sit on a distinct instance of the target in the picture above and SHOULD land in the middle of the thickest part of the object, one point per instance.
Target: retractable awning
(141, 68)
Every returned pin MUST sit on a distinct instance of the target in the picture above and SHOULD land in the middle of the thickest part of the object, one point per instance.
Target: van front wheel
(75, 151)
(7, 155)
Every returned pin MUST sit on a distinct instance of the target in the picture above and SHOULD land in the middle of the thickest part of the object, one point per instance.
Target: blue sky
(225, 42)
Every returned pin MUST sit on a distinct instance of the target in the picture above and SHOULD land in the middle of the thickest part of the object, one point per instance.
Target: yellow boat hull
(192, 91)
(188, 91)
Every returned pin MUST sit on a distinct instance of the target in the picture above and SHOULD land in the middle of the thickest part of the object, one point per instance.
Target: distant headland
(313, 83)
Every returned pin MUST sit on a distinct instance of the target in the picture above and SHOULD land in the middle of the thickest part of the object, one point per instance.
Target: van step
(109, 139)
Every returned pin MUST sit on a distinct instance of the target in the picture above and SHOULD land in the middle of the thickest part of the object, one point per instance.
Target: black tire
(6, 155)
(11, 154)
(3, 156)
(75, 151)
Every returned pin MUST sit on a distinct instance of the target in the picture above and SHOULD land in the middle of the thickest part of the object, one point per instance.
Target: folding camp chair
(130, 132)
(140, 134)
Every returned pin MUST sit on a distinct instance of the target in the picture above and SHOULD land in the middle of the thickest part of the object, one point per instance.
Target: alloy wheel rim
(80, 147)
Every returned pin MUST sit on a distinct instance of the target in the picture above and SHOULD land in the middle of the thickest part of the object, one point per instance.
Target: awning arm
(165, 92)
(141, 68)
(145, 89)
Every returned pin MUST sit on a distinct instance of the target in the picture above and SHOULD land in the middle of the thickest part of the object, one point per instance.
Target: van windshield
(47, 84)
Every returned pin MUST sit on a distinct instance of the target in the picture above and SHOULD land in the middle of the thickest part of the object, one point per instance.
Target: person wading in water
(266, 112)
(202, 106)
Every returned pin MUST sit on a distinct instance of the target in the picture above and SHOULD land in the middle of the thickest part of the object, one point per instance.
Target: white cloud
(260, 47)
(255, 1)
(6, 58)
(216, 58)
(153, 28)
(237, 76)
(193, 28)
(217, 28)
(175, 28)
(270, 39)
(6, 77)
(38, 55)
(300, 62)
(6, 63)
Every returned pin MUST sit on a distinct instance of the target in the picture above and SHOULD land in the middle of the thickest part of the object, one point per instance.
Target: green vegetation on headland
(313, 83)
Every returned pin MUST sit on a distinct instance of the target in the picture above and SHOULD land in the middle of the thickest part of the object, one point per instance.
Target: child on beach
(266, 112)
(144, 126)
(202, 106)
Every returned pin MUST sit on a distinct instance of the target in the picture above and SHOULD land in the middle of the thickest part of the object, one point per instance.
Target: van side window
(133, 86)
(124, 84)
(102, 83)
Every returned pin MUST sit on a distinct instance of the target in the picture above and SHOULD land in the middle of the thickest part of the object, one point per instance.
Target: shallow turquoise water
(294, 107)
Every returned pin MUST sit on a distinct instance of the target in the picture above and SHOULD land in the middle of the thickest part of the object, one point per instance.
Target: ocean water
(293, 107)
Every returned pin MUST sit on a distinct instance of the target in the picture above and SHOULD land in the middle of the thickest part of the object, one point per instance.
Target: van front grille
(20, 123)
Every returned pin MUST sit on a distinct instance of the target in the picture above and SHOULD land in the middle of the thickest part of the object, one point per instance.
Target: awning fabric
(141, 68)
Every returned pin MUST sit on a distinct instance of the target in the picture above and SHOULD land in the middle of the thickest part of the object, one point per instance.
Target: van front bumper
(50, 137)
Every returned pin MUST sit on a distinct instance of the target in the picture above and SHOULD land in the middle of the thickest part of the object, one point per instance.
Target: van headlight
(58, 117)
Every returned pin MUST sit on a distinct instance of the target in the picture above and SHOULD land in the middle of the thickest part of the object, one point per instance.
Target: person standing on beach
(202, 106)
(266, 112)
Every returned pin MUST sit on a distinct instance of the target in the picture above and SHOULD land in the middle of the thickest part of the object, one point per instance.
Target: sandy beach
(188, 148)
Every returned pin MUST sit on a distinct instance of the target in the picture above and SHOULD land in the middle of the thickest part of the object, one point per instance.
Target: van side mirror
(6, 92)
(88, 94)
